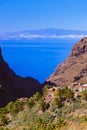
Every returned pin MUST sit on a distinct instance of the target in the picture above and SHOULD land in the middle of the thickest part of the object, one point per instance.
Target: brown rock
(73, 69)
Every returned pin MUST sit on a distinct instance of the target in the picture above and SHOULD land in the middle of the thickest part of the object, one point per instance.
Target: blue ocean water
(35, 59)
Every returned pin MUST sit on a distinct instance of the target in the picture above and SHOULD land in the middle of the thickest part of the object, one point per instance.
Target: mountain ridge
(49, 33)
(13, 86)
(74, 68)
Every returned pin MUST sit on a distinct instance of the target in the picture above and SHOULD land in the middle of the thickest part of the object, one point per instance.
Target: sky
(17, 15)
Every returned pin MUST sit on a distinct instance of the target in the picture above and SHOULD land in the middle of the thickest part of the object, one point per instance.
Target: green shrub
(83, 118)
(31, 102)
(3, 110)
(67, 93)
(25, 129)
(45, 89)
(3, 120)
(1, 128)
(84, 94)
(43, 105)
(9, 106)
(15, 107)
(37, 96)
(60, 122)
(57, 102)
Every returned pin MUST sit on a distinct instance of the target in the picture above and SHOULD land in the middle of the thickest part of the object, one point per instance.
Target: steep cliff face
(13, 86)
(74, 68)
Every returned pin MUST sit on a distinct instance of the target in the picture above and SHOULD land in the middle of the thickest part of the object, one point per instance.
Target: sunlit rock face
(74, 68)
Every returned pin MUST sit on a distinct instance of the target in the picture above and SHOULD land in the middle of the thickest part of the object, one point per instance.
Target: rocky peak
(74, 68)
(79, 48)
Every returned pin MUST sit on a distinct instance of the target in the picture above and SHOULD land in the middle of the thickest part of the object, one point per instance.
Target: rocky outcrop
(73, 69)
(13, 86)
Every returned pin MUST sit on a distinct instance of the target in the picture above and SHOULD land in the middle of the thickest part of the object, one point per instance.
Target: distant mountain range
(50, 33)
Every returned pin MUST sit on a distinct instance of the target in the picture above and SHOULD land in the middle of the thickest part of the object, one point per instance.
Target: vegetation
(59, 112)
(45, 90)
(84, 93)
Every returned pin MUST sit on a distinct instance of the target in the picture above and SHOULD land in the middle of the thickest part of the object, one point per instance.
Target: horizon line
(43, 29)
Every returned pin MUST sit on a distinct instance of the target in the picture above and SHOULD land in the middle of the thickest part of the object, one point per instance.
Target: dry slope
(74, 68)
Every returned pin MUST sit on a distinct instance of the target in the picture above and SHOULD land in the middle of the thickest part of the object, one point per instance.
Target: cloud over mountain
(43, 34)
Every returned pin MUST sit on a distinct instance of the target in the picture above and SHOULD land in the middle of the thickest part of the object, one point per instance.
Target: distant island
(44, 34)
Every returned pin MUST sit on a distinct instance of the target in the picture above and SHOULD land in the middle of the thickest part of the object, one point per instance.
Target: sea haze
(35, 59)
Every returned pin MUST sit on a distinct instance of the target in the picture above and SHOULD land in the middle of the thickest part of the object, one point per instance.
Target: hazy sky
(18, 15)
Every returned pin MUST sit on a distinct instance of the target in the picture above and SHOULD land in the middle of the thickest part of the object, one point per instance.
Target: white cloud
(32, 36)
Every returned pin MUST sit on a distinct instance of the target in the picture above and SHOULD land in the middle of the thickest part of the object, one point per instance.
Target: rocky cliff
(73, 69)
(13, 86)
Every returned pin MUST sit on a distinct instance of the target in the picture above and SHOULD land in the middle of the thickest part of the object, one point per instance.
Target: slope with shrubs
(56, 109)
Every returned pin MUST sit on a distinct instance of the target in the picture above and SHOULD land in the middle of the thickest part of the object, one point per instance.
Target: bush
(84, 94)
(67, 93)
(57, 102)
(60, 122)
(4, 128)
(3, 120)
(3, 110)
(31, 102)
(43, 105)
(45, 89)
(15, 107)
(37, 96)
(83, 118)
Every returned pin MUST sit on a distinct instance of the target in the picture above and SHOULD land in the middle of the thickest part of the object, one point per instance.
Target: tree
(57, 102)
(31, 102)
(67, 93)
(43, 104)
(14, 107)
(37, 96)
(17, 106)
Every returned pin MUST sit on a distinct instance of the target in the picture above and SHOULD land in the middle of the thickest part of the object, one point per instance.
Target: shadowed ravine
(73, 69)
(13, 86)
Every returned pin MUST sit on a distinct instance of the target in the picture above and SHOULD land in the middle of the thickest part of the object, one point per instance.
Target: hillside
(62, 104)
(74, 68)
(13, 86)
(56, 109)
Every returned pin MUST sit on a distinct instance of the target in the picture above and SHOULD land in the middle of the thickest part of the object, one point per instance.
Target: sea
(37, 59)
